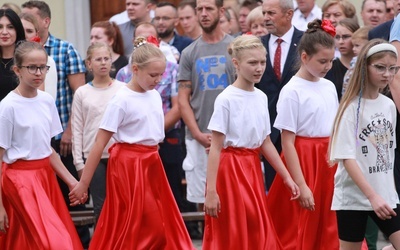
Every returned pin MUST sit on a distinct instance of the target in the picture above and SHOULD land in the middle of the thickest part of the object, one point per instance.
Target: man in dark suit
(165, 20)
(381, 31)
(278, 20)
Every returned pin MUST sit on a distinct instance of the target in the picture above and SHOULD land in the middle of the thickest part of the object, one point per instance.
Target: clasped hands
(78, 194)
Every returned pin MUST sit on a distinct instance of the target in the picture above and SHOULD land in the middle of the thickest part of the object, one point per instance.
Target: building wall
(70, 20)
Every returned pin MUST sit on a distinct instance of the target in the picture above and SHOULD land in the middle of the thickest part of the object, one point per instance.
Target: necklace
(5, 64)
(19, 93)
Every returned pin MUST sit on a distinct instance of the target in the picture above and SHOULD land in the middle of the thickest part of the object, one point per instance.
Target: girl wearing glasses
(33, 214)
(344, 31)
(90, 102)
(363, 143)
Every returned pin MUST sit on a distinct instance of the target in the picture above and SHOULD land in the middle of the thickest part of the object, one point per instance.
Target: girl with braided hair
(139, 211)
(306, 109)
(363, 142)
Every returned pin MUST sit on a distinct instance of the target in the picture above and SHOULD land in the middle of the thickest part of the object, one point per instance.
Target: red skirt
(37, 213)
(243, 222)
(299, 228)
(139, 211)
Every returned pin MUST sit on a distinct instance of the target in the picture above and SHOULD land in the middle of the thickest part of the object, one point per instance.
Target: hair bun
(139, 41)
(313, 26)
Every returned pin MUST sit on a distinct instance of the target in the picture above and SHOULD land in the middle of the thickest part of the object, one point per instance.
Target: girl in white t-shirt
(33, 214)
(235, 202)
(363, 143)
(90, 102)
(140, 211)
(306, 109)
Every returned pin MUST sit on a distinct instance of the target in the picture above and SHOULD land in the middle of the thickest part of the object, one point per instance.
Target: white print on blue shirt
(211, 72)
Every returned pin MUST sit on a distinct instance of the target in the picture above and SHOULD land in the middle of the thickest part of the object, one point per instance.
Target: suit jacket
(381, 31)
(270, 85)
(181, 42)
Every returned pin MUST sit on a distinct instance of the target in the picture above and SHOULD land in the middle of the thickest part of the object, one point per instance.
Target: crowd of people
(246, 90)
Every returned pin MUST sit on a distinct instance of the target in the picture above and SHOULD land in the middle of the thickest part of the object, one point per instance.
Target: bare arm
(212, 204)
(61, 170)
(269, 151)
(3, 215)
(173, 115)
(102, 138)
(381, 208)
(184, 93)
(75, 81)
(292, 161)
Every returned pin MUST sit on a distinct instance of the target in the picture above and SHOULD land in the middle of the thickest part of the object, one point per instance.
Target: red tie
(277, 59)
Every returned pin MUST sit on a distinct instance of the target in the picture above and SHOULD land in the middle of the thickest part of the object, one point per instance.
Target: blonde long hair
(357, 83)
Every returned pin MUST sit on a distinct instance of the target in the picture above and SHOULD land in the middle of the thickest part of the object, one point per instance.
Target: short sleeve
(56, 127)
(74, 61)
(113, 116)
(394, 30)
(6, 127)
(344, 144)
(220, 118)
(185, 66)
(287, 111)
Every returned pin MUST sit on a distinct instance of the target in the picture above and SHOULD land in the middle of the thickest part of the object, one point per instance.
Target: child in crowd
(235, 199)
(90, 102)
(140, 211)
(358, 39)
(306, 110)
(33, 214)
(363, 142)
(344, 31)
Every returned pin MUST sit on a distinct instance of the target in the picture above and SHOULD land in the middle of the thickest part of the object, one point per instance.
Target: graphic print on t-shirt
(211, 72)
(379, 132)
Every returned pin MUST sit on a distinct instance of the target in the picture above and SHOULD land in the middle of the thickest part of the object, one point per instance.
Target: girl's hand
(212, 206)
(3, 220)
(78, 194)
(306, 198)
(204, 139)
(381, 208)
(293, 188)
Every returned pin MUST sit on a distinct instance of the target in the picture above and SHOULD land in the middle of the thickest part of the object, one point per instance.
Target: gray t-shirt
(127, 29)
(209, 67)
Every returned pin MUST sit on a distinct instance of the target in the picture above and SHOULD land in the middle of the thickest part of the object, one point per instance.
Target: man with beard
(205, 69)
(165, 20)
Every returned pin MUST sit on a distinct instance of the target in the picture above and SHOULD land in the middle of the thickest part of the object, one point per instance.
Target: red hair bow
(328, 27)
(153, 40)
(35, 39)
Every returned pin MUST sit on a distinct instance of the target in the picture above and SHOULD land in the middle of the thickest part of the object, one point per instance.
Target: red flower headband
(328, 27)
(35, 39)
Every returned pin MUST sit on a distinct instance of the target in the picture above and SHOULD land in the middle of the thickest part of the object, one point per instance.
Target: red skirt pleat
(139, 211)
(299, 228)
(38, 215)
(243, 222)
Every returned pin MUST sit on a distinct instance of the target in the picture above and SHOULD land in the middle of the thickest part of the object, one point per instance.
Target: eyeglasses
(163, 18)
(32, 69)
(380, 69)
(344, 37)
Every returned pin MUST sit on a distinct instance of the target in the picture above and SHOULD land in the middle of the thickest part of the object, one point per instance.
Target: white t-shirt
(307, 108)
(87, 111)
(242, 116)
(135, 117)
(27, 126)
(372, 146)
